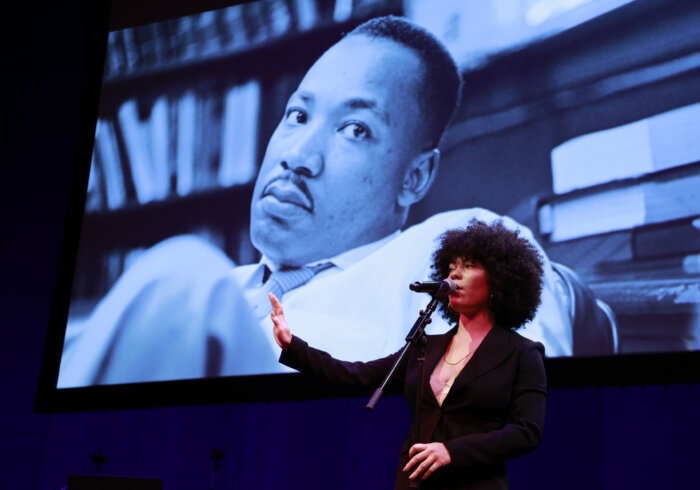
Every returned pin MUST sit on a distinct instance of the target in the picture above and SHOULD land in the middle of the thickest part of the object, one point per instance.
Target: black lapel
(491, 352)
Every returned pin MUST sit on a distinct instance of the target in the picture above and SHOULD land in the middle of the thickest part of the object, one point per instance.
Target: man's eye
(295, 117)
(355, 131)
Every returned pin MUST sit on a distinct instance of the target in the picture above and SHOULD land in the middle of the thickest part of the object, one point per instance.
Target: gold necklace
(459, 361)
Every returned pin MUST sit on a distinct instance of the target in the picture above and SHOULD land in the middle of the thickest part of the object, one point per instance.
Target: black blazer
(493, 412)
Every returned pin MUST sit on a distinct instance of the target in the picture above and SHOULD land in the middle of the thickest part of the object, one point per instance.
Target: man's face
(335, 164)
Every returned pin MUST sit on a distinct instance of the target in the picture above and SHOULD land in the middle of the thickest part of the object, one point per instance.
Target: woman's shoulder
(523, 343)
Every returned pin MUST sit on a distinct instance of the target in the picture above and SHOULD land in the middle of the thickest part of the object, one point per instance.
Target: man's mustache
(298, 182)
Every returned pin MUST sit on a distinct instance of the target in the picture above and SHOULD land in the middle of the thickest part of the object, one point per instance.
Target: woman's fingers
(425, 464)
(276, 305)
(417, 454)
(280, 329)
(428, 458)
(434, 466)
(416, 448)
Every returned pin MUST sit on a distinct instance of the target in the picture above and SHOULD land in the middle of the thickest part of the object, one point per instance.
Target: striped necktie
(283, 280)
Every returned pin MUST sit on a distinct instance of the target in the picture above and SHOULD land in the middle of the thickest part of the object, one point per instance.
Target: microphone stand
(416, 339)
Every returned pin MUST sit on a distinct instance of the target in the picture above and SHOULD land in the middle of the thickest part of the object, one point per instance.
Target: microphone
(436, 288)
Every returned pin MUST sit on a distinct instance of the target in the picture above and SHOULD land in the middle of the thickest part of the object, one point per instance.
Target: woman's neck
(475, 327)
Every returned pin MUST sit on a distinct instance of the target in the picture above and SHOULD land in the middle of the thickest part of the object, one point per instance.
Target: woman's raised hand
(280, 329)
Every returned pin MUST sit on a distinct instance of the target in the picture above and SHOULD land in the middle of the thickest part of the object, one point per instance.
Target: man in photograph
(356, 146)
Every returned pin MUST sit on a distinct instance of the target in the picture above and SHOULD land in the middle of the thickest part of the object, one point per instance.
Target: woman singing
(486, 398)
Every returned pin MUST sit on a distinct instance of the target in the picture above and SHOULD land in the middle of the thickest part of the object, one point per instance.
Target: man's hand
(280, 330)
(430, 456)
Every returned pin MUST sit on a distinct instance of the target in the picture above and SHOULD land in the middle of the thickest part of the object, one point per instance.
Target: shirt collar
(345, 259)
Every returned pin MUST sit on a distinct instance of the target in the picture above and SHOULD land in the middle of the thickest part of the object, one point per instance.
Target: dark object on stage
(99, 482)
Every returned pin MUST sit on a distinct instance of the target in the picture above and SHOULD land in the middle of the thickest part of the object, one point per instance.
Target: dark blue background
(614, 437)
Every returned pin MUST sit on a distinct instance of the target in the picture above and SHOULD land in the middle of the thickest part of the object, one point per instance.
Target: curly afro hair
(513, 266)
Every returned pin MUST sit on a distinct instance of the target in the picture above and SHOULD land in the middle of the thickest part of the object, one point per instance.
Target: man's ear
(418, 178)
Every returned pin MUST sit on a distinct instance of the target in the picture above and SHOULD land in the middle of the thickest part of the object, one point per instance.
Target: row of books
(643, 173)
(226, 31)
(173, 146)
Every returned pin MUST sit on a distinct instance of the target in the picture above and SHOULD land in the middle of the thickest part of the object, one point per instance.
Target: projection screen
(182, 225)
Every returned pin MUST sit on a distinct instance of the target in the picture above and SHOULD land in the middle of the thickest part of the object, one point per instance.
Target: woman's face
(472, 294)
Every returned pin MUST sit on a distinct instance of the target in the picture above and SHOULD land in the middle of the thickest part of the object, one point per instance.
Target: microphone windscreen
(452, 286)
